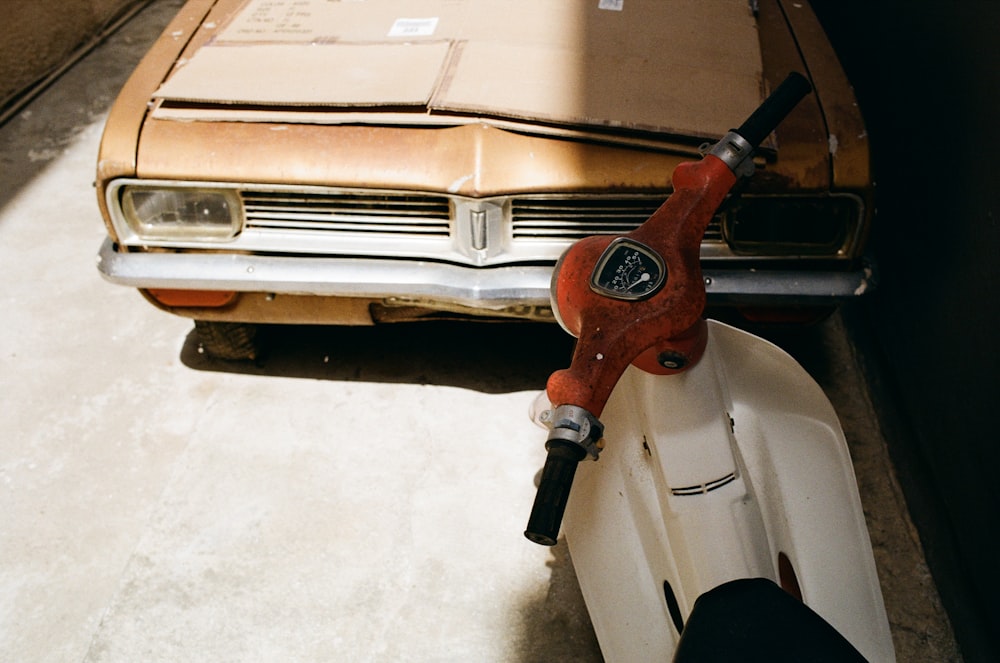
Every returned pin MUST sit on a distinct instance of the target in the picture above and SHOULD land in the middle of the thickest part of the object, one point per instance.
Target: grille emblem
(477, 228)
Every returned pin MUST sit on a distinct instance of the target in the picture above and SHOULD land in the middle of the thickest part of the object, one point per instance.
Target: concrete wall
(927, 76)
(40, 35)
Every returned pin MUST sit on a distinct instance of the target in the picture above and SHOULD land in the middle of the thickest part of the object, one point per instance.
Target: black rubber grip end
(774, 109)
(553, 492)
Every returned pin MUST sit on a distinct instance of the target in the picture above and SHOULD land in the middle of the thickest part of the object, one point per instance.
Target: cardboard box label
(413, 27)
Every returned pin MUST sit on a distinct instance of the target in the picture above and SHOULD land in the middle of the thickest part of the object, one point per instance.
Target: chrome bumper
(481, 288)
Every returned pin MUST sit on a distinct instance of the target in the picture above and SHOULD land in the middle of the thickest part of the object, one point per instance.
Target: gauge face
(628, 270)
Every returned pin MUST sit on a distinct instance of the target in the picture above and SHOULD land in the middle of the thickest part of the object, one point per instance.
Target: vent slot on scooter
(707, 487)
(673, 607)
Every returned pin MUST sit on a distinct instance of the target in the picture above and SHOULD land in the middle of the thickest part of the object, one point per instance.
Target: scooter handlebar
(553, 492)
(614, 329)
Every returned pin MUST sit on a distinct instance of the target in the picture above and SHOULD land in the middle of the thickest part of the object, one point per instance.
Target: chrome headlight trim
(166, 212)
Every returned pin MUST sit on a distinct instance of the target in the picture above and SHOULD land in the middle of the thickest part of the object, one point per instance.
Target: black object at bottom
(755, 620)
(553, 492)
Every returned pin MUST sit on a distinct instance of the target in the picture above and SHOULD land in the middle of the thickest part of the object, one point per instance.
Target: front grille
(371, 213)
(375, 213)
(569, 219)
(437, 226)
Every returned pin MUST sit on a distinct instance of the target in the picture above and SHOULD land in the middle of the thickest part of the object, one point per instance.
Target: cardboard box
(650, 67)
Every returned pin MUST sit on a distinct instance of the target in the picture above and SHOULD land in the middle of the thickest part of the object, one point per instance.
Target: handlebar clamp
(736, 152)
(574, 424)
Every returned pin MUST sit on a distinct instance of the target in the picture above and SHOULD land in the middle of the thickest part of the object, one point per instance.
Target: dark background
(927, 76)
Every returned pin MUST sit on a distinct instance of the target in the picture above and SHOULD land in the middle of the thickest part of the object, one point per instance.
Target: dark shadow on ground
(559, 616)
(491, 358)
(487, 357)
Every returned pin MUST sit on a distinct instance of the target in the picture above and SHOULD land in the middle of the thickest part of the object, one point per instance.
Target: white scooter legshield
(737, 468)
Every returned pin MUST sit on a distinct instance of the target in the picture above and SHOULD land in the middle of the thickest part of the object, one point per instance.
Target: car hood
(636, 70)
(160, 128)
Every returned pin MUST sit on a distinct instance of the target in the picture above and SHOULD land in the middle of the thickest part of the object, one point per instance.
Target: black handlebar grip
(553, 492)
(774, 109)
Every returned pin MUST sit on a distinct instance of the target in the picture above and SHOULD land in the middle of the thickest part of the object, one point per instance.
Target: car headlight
(791, 225)
(159, 213)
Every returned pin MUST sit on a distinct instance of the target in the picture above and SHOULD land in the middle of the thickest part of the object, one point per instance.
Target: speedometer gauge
(628, 270)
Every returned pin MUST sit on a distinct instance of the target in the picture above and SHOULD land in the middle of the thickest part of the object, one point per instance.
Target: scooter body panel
(712, 475)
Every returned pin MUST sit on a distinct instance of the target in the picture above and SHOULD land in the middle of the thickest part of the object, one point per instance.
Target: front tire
(230, 341)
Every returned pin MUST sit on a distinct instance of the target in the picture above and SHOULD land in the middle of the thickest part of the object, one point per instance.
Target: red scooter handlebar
(638, 299)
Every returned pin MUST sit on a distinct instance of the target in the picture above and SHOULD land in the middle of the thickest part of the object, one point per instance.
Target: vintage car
(308, 161)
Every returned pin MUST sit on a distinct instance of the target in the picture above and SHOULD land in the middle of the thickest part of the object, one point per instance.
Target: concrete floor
(358, 497)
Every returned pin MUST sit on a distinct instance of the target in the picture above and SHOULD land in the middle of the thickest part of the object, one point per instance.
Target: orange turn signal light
(192, 298)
